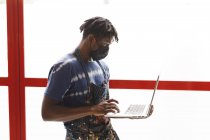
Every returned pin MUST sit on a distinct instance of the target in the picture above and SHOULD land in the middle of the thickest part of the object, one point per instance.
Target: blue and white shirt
(68, 75)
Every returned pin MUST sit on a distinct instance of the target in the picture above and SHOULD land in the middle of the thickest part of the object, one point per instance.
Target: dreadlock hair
(100, 27)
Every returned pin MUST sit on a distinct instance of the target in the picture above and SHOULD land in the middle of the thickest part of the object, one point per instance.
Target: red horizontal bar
(128, 84)
(137, 84)
(163, 85)
(4, 81)
(35, 82)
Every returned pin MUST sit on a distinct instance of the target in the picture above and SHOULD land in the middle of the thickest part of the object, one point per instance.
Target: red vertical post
(16, 69)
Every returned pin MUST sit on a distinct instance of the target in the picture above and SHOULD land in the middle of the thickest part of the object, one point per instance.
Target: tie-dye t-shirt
(68, 75)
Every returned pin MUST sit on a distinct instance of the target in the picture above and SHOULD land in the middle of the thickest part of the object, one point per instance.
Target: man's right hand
(108, 106)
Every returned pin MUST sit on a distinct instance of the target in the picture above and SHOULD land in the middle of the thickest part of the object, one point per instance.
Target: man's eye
(106, 45)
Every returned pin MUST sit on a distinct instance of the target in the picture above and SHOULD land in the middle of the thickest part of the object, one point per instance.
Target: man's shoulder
(67, 61)
(104, 65)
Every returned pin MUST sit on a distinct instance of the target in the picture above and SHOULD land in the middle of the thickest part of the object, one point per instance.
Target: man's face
(101, 48)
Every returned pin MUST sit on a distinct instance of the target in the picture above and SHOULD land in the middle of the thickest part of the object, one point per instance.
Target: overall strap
(77, 53)
(104, 73)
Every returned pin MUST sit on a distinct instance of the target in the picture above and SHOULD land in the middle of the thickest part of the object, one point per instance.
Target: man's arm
(52, 111)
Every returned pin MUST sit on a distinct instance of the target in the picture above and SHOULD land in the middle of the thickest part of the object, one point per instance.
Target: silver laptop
(136, 111)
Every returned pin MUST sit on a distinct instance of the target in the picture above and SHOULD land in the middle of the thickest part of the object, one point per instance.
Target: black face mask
(100, 53)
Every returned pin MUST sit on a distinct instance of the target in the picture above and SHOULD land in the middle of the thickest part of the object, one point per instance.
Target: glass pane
(36, 128)
(169, 113)
(171, 38)
(167, 37)
(183, 113)
(51, 33)
(3, 42)
(4, 111)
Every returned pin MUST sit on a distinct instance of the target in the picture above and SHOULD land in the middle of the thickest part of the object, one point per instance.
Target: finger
(111, 111)
(113, 108)
(112, 100)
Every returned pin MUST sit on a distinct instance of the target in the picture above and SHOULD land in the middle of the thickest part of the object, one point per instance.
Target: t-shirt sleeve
(58, 81)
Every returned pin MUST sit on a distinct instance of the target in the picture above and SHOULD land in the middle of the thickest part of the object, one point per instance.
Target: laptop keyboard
(135, 109)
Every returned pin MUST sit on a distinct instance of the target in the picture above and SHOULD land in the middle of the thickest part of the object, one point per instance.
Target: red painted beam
(185, 85)
(137, 84)
(163, 85)
(22, 69)
(4, 81)
(16, 70)
(35, 82)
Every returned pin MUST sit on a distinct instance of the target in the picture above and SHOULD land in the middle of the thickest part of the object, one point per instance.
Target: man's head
(99, 27)
(99, 33)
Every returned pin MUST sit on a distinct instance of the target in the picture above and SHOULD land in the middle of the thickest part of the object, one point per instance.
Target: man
(77, 90)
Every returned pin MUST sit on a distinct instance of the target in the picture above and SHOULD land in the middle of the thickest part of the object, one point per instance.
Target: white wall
(4, 108)
(177, 115)
(167, 37)
(4, 111)
(3, 41)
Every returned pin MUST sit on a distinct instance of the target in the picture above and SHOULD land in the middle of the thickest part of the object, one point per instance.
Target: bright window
(170, 38)
(4, 111)
(3, 42)
(4, 105)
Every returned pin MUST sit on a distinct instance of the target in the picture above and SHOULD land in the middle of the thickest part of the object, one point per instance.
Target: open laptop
(136, 111)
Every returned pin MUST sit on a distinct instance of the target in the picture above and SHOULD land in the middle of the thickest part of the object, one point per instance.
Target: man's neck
(84, 52)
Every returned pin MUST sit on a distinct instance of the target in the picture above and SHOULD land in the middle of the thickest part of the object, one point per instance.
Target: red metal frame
(163, 85)
(137, 84)
(4, 81)
(17, 82)
(16, 69)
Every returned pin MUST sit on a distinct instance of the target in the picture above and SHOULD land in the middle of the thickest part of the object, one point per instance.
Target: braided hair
(100, 27)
